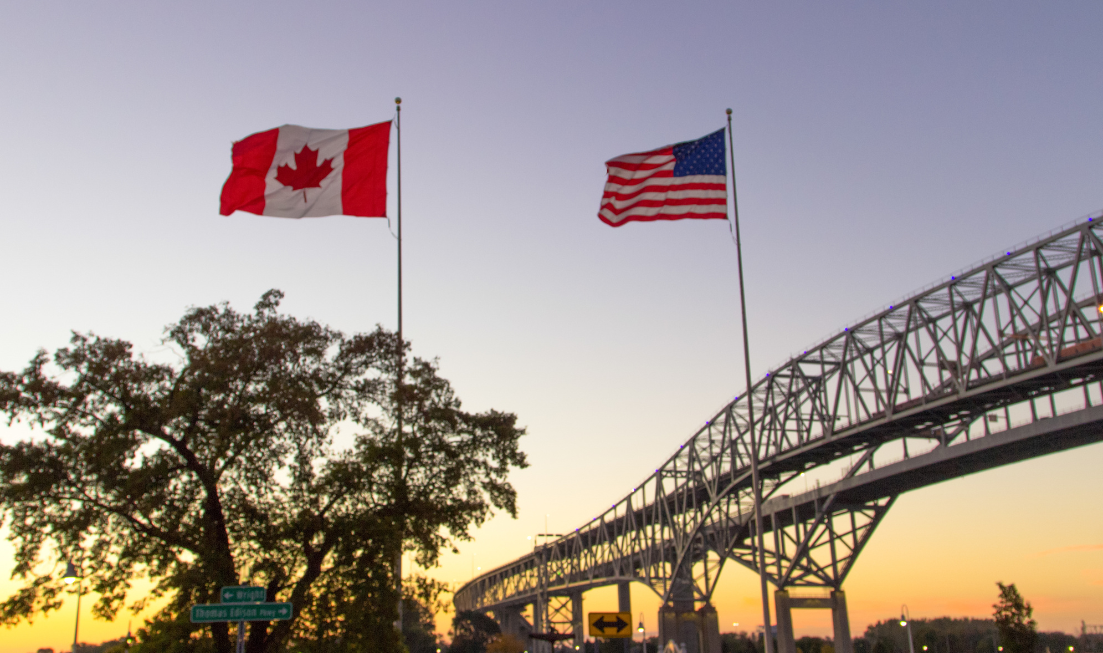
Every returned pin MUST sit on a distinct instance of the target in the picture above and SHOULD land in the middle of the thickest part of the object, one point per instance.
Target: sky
(878, 147)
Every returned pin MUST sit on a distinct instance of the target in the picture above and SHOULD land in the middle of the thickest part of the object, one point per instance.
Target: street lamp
(905, 618)
(72, 575)
(643, 640)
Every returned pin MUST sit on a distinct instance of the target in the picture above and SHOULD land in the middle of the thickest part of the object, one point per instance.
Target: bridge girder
(1005, 341)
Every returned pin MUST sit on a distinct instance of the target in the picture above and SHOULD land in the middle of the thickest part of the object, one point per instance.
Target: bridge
(998, 363)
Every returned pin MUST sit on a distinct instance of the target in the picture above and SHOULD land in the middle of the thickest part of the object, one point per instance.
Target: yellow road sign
(610, 624)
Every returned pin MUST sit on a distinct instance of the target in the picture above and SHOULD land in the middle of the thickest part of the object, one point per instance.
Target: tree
(810, 644)
(472, 632)
(1018, 630)
(505, 643)
(421, 600)
(738, 643)
(940, 635)
(260, 450)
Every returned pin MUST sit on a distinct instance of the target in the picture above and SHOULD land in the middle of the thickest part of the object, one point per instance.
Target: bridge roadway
(999, 363)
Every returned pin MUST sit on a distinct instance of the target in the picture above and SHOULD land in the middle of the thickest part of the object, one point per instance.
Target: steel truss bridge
(997, 364)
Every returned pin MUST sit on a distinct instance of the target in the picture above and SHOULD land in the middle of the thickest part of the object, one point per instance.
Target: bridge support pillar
(624, 604)
(578, 621)
(513, 622)
(784, 605)
(697, 630)
(785, 640)
(709, 626)
(841, 620)
(539, 625)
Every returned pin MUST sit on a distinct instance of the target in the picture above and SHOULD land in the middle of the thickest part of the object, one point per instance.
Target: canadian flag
(298, 172)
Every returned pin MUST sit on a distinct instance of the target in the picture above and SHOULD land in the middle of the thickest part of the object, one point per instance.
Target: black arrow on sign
(617, 625)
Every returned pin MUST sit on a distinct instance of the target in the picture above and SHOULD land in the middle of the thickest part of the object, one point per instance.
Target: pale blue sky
(879, 146)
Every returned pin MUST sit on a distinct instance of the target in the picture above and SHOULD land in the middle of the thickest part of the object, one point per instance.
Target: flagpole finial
(729, 111)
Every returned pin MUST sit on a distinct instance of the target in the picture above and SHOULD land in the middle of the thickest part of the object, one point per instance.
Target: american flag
(685, 180)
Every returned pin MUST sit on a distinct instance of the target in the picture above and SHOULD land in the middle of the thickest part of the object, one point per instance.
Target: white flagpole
(401, 363)
(398, 130)
(766, 635)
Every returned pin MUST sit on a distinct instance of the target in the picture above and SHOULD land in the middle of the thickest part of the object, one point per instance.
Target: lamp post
(72, 574)
(905, 621)
(643, 640)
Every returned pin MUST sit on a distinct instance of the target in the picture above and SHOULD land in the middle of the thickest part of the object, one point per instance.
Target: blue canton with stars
(704, 156)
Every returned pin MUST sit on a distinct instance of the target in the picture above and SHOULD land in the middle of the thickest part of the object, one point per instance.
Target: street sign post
(610, 625)
(240, 603)
(242, 594)
(205, 614)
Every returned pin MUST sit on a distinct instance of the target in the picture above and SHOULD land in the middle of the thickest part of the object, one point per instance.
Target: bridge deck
(1016, 330)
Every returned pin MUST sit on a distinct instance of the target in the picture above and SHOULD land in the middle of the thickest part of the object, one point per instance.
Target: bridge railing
(1011, 327)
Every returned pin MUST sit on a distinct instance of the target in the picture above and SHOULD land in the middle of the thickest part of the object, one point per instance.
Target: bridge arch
(998, 363)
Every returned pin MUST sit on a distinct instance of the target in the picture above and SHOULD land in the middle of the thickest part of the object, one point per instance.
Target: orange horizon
(941, 551)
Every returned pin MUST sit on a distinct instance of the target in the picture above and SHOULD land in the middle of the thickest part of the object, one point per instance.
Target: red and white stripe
(642, 187)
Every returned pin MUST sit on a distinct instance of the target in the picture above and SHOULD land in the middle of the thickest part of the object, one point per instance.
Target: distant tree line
(949, 635)
(476, 633)
(942, 635)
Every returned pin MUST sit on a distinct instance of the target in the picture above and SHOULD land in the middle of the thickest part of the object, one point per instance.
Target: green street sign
(242, 594)
(204, 614)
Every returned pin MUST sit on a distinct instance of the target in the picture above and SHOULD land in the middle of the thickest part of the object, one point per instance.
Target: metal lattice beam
(1016, 338)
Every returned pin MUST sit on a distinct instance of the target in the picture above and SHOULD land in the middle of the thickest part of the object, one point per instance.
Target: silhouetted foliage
(941, 635)
(947, 635)
(506, 643)
(812, 644)
(1058, 642)
(421, 600)
(472, 632)
(615, 646)
(1014, 619)
(256, 449)
(741, 642)
(110, 646)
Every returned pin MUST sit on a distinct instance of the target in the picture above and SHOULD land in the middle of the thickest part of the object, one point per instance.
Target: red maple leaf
(306, 173)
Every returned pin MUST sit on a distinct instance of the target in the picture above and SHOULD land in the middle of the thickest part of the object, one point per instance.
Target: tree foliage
(421, 600)
(262, 451)
(939, 635)
(472, 632)
(1014, 619)
(506, 643)
(741, 642)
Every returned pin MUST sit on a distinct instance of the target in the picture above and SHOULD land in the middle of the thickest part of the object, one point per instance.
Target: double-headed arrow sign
(610, 624)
